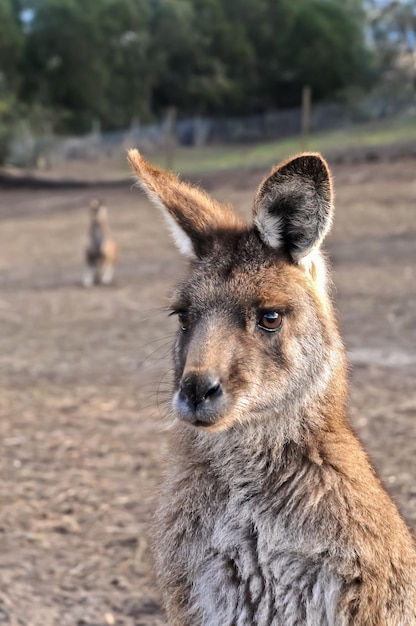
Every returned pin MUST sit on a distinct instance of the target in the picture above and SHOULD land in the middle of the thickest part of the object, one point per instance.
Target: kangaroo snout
(200, 398)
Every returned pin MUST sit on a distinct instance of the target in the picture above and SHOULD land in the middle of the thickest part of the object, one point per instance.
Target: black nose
(197, 388)
(199, 395)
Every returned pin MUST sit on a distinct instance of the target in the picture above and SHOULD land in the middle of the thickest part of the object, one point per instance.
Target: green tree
(130, 68)
(11, 46)
(89, 60)
(393, 31)
(116, 60)
(251, 55)
(63, 64)
(201, 56)
(315, 42)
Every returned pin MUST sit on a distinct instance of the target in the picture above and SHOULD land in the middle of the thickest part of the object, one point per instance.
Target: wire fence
(50, 152)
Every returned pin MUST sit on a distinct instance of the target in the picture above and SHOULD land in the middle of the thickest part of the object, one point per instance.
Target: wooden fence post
(170, 141)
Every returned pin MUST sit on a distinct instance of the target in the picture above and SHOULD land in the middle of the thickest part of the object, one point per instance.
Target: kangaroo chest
(242, 576)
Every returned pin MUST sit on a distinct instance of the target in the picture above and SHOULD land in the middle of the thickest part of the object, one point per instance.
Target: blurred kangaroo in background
(101, 252)
(270, 513)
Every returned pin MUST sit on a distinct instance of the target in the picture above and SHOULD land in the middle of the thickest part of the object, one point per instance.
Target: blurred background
(200, 84)
(218, 91)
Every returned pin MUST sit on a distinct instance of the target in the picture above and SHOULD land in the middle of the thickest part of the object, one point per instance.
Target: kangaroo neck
(254, 451)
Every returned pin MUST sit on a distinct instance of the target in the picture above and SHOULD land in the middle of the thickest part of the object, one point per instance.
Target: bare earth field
(84, 382)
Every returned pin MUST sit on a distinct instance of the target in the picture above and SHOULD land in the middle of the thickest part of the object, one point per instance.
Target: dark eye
(183, 320)
(270, 320)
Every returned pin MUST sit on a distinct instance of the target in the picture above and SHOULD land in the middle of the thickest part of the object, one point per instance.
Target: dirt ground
(84, 382)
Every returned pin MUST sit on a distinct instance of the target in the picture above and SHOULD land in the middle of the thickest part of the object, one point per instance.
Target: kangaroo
(101, 253)
(270, 513)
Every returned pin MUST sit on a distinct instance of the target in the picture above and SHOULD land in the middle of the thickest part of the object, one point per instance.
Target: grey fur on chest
(243, 579)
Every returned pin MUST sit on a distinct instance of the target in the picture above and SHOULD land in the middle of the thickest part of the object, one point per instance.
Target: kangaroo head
(98, 211)
(256, 339)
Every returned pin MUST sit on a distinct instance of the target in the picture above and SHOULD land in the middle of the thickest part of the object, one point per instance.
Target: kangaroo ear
(293, 206)
(190, 212)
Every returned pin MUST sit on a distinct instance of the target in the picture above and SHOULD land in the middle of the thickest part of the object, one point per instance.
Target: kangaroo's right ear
(293, 206)
(190, 212)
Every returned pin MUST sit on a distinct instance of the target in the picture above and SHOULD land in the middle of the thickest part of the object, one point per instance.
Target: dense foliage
(116, 60)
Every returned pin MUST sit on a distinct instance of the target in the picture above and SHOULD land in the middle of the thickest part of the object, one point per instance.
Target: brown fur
(271, 513)
(102, 252)
(181, 200)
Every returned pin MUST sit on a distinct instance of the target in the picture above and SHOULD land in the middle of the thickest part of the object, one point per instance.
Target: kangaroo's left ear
(293, 206)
